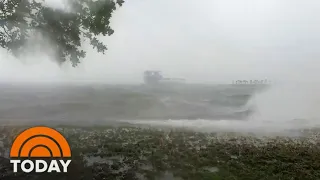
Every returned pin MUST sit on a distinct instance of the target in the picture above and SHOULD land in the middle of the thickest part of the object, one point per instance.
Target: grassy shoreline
(108, 152)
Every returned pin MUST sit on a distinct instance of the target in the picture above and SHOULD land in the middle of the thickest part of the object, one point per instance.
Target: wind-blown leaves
(66, 29)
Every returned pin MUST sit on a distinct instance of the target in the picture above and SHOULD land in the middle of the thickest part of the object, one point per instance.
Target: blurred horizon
(214, 41)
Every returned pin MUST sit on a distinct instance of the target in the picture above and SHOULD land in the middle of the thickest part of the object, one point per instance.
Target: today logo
(40, 149)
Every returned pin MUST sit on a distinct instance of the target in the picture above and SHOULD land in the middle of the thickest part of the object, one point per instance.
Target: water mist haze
(214, 42)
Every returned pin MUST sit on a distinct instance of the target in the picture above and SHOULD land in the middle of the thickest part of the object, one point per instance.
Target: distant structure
(156, 77)
(152, 77)
(251, 82)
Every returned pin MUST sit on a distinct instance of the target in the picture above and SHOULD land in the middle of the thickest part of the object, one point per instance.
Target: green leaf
(67, 30)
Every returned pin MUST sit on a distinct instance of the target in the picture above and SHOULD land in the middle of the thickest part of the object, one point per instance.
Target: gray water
(93, 103)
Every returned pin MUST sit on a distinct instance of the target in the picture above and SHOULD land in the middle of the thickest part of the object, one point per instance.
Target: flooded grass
(149, 153)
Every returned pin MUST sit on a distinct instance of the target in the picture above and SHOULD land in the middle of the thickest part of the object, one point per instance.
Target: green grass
(129, 152)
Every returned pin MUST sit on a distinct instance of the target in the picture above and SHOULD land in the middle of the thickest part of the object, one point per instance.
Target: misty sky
(209, 40)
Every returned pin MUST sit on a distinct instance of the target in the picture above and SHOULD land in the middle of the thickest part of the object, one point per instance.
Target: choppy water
(201, 107)
(94, 103)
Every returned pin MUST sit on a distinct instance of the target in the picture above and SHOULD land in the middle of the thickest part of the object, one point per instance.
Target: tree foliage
(65, 28)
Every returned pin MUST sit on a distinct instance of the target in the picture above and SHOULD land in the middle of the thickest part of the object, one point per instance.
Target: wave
(278, 110)
(121, 102)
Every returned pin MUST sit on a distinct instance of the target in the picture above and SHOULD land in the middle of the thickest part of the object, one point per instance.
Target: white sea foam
(281, 109)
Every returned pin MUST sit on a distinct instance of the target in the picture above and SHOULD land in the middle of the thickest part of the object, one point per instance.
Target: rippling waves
(106, 102)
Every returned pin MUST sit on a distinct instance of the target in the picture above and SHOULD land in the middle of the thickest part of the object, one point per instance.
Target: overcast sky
(208, 40)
